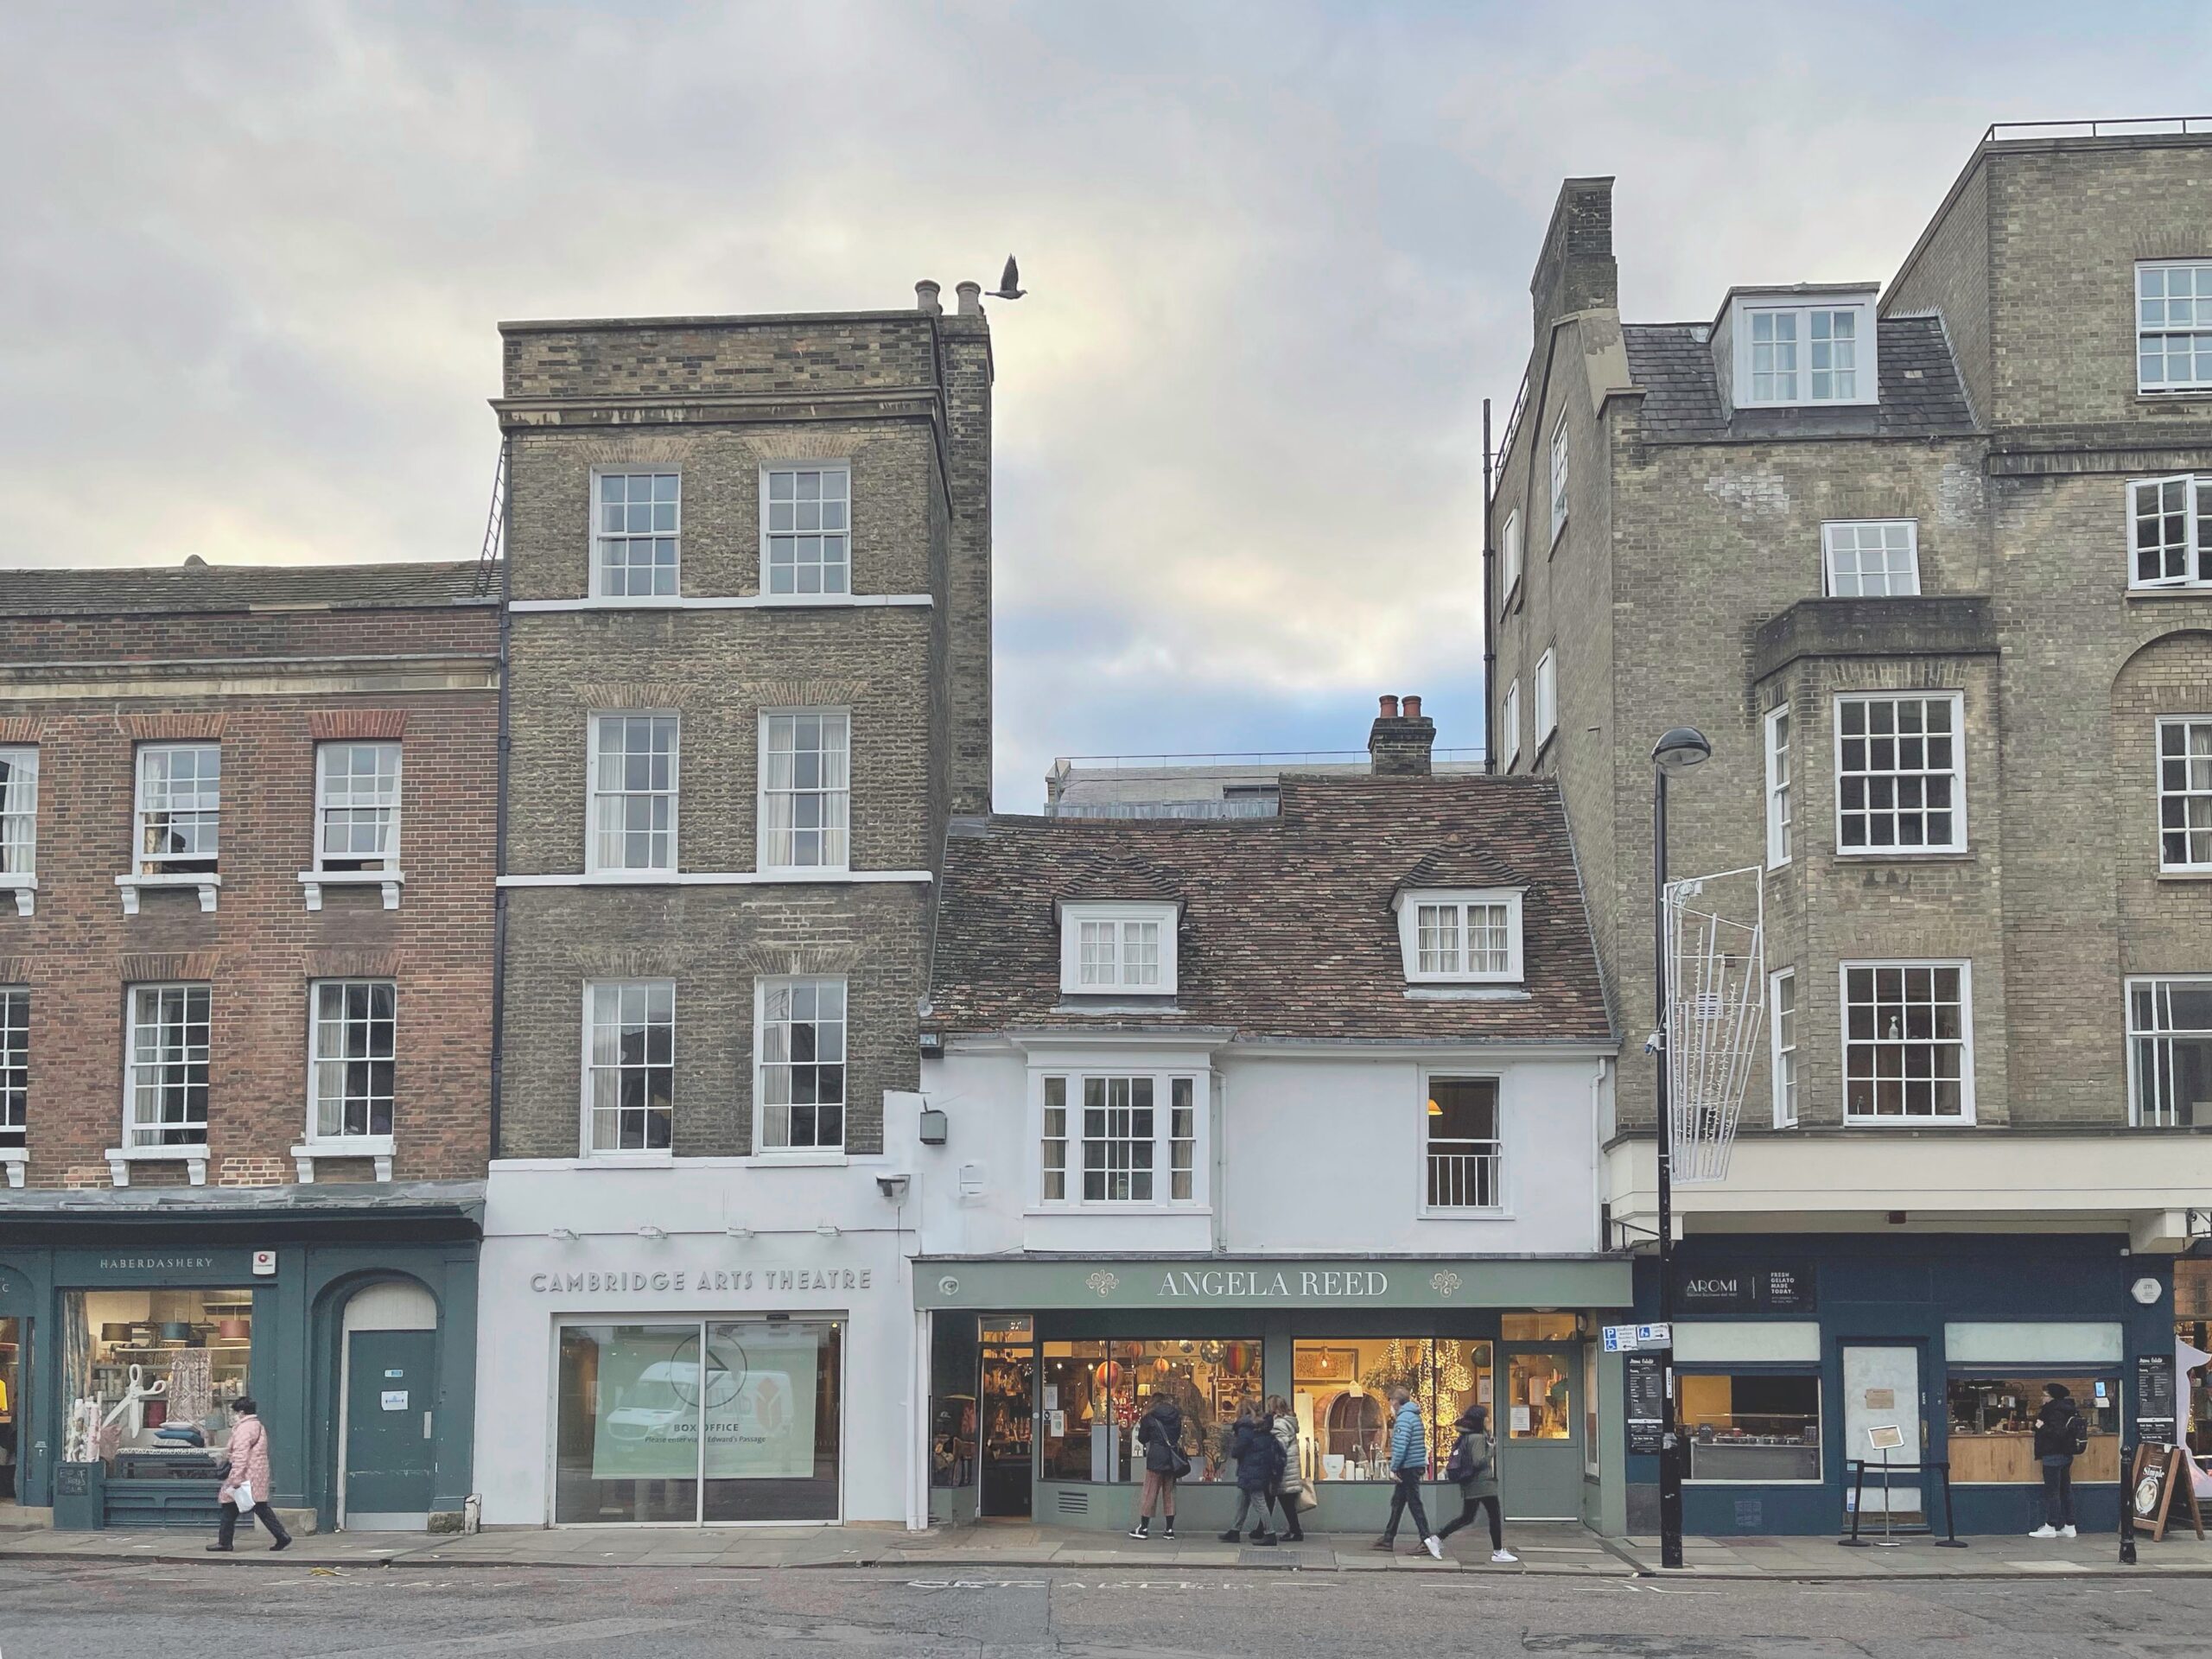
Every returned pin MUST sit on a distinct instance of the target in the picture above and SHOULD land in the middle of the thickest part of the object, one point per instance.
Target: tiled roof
(238, 587)
(1287, 926)
(1922, 395)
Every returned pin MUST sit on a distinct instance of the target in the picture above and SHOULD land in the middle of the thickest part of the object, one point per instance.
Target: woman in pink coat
(247, 1482)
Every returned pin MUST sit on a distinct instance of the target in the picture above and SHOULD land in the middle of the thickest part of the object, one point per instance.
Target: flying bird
(1009, 286)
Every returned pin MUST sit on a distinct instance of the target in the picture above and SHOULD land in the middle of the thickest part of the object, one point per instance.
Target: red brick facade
(88, 690)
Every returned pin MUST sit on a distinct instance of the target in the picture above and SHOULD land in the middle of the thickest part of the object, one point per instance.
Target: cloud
(1279, 254)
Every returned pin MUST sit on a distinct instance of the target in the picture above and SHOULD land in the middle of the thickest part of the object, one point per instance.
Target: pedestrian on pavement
(1160, 1432)
(1258, 1456)
(1290, 1483)
(2062, 1435)
(1409, 1464)
(1473, 1463)
(245, 1478)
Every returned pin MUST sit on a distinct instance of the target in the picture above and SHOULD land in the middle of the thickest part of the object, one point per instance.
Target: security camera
(893, 1187)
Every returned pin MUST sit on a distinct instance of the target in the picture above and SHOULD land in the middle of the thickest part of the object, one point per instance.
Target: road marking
(543, 1635)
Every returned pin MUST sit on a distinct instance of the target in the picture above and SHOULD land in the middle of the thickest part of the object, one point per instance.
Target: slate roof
(1922, 395)
(1287, 928)
(238, 587)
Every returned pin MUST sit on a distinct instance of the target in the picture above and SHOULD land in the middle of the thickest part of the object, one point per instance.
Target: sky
(1278, 254)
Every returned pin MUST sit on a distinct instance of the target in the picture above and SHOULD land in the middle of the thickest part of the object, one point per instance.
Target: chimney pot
(926, 293)
(1413, 708)
(971, 298)
(1388, 705)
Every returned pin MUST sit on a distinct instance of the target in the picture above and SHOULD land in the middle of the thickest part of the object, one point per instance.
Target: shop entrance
(1881, 1391)
(15, 1414)
(1540, 1440)
(1009, 1394)
(389, 1453)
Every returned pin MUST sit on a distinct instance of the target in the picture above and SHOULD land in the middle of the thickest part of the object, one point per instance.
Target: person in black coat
(1160, 1432)
(2060, 1430)
(1259, 1461)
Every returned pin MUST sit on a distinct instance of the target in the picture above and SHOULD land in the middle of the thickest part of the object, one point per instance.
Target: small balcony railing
(1463, 1174)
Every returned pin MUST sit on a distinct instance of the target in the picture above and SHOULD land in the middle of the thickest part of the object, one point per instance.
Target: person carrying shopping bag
(1473, 1465)
(246, 1484)
(1258, 1456)
(1290, 1485)
(1409, 1464)
(1160, 1435)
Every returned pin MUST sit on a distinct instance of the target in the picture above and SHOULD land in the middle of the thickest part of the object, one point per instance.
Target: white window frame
(341, 1143)
(1512, 556)
(146, 864)
(1163, 1080)
(1121, 917)
(1559, 477)
(19, 825)
(588, 1152)
(1409, 903)
(842, 829)
(381, 870)
(1430, 1076)
(15, 1079)
(596, 586)
(1966, 1115)
(1509, 716)
(1864, 370)
(131, 1126)
(1547, 678)
(817, 1149)
(1781, 786)
(2137, 1039)
(2196, 523)
(1784, 1046)
(1958, 774)
(594, 796)
(1833, 532)
(769, 474)
(2200, 324)
(2184, 796)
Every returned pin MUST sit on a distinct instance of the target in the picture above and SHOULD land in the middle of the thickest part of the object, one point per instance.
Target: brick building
(1925, 563)
(245, 987)
(749, 614)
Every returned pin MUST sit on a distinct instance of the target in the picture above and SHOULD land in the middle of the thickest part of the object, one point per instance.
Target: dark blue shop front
(1799, 1358)
(130, 1321)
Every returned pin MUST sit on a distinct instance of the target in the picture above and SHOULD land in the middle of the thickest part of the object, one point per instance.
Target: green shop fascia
(1040, 1367)
(130, 1320)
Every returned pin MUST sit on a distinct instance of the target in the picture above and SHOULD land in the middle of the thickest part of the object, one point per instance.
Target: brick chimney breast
(1398, 745)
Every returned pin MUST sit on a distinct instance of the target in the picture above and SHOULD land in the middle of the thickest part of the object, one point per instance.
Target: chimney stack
(1576, 271)
(971, 298)
(926, 293)
(1399, 744)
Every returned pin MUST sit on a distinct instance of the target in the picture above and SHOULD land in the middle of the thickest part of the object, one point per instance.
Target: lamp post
(1680, 748)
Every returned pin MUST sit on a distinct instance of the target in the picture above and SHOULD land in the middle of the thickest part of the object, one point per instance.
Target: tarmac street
(72, 1609)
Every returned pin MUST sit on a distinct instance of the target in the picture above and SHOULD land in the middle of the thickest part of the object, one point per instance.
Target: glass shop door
(1009, 1396)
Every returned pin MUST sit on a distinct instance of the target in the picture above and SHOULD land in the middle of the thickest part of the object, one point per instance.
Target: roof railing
(1512, 424)
(2143, 126)
(1242, 758)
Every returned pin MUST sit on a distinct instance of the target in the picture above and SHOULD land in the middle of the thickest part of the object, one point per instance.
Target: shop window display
(1753, 1425)
(1091, 1395)
(1341, 1394)
(163, 1366)
(728, 1419)
(1992, 1420)
(1538, 1398)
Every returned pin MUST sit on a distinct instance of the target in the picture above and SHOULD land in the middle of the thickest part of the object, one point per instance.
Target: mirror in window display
(1992, 1422)
(1092, 1394)
(1341, 1397)
(1752, 1426)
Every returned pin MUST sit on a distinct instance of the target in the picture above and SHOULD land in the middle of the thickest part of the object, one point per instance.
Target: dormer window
(1791, 352)
(1460, 937)
(1125, 949)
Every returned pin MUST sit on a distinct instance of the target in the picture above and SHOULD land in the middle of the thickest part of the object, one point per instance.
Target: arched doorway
(387, 1449)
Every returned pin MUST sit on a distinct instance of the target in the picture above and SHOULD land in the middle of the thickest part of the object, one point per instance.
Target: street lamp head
(1682, 747)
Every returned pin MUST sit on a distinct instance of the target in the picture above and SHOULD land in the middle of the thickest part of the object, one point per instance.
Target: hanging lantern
(1237, 1356)
(1108, 1374)
(1160, 1366)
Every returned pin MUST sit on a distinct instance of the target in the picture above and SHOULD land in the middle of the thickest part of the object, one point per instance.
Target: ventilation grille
(1069, 1503)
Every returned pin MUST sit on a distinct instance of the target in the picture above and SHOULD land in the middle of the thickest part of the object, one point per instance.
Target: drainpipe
(1489, 612)
(500, 808)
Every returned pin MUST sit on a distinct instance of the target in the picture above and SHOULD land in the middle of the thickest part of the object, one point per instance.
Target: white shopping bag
(242, 1496)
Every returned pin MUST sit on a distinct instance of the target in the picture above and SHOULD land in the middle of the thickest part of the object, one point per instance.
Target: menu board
(2154, 1399)
(1647, 1404)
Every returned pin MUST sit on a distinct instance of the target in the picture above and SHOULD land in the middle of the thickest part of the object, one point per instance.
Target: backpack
(1464, 1464)
(2078, 1435)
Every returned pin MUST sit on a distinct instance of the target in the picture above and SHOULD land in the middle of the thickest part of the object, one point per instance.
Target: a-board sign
(2160, 1480)
(1647, 1404)
(2154, 1398)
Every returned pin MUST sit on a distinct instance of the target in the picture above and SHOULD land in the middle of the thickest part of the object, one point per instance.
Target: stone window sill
(313, 881)
(208, 885)
(119, 1159)
(376, 1147)
(15, 1158)
(25, 887)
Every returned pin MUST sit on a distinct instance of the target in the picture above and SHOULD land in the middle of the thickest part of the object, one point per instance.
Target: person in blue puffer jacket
(1408, 1466)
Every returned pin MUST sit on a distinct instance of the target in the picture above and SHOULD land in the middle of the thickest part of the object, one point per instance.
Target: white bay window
(2170, 1051)
(1121, 1139)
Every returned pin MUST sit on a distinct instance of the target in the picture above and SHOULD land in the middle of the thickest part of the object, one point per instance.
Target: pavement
(1556, 1549)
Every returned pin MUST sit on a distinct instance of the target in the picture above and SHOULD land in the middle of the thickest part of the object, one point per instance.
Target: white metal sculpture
(1716, 1004)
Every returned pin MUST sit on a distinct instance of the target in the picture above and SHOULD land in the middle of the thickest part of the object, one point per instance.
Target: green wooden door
(391, 1453)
